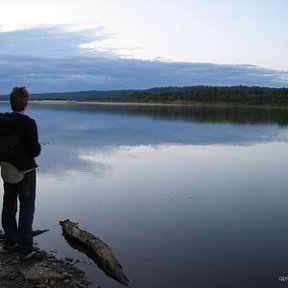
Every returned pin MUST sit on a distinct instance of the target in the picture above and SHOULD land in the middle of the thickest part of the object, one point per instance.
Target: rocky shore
(45, 273)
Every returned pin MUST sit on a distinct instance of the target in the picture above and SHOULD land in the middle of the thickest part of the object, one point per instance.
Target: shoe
(11, 247)
(33, 255)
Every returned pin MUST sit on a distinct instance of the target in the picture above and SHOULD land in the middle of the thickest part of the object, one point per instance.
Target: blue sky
(72, 45)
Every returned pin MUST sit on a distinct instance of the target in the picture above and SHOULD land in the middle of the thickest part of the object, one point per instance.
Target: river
(185, 197)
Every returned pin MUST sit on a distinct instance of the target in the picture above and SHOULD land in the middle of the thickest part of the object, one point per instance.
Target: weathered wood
(103, 253)
(35, 233)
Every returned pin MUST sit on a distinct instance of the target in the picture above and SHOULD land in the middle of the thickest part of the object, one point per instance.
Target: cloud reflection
(90, 138)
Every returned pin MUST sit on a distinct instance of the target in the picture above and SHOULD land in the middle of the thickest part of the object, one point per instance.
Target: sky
(73, 45)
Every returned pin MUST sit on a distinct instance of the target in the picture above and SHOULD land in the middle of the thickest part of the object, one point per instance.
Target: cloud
(49, 41)
(54, 59)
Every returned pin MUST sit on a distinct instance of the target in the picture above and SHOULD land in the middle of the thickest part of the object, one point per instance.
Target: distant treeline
(252, 95)
(90, 95)
(213, 95)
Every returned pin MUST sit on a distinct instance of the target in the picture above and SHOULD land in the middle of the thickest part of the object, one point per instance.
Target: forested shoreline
(246, 95)
(213, 95)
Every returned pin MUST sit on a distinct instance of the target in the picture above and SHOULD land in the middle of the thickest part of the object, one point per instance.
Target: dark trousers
(26, 192)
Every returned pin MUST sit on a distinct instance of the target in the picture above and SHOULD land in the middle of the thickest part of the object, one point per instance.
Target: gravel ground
(47, 272)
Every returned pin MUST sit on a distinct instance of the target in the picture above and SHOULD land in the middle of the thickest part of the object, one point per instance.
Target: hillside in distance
(90, 95)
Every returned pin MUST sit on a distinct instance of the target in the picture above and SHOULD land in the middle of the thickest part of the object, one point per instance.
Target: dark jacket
(19, 140)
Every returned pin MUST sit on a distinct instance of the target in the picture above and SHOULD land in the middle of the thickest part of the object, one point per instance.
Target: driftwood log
(35, 233)
(101, 252)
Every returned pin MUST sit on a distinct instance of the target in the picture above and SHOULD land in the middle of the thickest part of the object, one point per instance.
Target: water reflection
(219, 208)
(71, 131)
(179, 195)
(206, 114)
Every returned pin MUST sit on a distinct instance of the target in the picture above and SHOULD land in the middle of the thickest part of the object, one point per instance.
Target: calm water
(184, 197)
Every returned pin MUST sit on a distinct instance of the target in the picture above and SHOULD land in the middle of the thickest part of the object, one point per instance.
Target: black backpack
(9, 138)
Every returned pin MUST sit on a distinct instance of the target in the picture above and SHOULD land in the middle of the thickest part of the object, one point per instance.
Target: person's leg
(9, 211)
(27, 192)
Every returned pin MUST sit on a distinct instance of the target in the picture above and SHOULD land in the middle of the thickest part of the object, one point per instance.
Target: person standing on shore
(18, 171)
